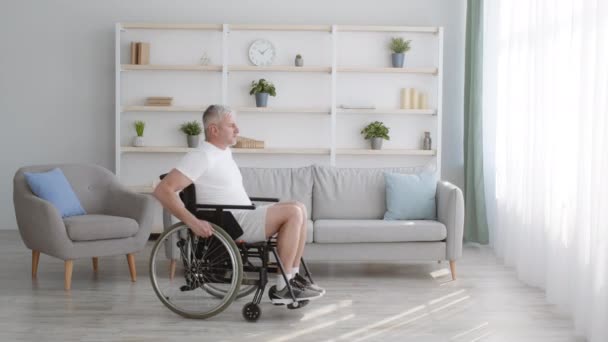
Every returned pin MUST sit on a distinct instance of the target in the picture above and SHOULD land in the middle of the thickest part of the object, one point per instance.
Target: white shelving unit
(327, 83)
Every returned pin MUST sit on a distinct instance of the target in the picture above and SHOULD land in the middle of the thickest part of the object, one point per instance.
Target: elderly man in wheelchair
(224, 242)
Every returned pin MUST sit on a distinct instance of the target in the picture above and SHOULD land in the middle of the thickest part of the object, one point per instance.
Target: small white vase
(138, 141)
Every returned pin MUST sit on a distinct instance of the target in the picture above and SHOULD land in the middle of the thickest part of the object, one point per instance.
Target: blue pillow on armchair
(410, 196)
(55, 188)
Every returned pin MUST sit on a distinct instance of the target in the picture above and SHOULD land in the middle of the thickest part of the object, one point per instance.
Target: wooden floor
(364, 302)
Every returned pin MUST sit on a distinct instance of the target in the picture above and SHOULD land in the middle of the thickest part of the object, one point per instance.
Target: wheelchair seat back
(221, 218)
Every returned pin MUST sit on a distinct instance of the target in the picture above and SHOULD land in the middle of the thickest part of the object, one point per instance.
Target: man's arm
(165, 192)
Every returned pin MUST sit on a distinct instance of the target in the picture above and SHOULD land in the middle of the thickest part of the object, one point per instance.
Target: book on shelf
(143, 53)
(133, 59)
(159, 98)
(159, 101)
(140, 53)
(243, 142)
(158, 104)
(346, 106)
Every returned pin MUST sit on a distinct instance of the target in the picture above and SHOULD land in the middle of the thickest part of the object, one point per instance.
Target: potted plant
(299, 60)
(192, 129)
(138, 141)
(399, 46)
(377, 132)
(261, 89)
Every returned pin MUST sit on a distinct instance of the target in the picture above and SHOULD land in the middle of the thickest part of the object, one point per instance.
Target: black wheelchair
(207, 274)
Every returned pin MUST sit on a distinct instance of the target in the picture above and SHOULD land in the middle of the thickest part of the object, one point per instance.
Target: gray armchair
(118, 221)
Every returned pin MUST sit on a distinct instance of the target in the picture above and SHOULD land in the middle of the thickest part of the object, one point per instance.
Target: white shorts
(253, 223)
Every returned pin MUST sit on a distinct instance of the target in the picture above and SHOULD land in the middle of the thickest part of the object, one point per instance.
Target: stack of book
(242, 142)
(140, 53)
(159, 101)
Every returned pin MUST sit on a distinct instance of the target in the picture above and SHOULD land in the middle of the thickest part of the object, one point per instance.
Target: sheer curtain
(546, 149)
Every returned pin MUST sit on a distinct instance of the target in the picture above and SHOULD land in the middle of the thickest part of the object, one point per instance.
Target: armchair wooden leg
(131, 261)
(69, 266)
(172, 269)
(453, 269)
(95, 264)
(35, 259)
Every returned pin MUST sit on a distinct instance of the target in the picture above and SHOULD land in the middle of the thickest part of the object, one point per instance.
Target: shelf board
(413, 29)
(275, 68)
(387, 111)
(283, 68)
(179, 149)
(322, 28)
(169, 67)
(156, 149)
(283, 110)
(280, 150)
(400, 152)
(431, 71)
(163, 109)
(161, 26)
(253, 27)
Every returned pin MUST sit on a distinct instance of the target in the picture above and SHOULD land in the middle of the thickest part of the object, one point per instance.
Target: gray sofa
(346, 207)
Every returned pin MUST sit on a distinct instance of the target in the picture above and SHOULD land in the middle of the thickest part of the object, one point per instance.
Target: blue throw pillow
(55, 188)
(410, 196)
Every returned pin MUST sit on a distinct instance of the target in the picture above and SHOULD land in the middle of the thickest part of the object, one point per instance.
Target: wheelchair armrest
(224, 206)
(263, 199)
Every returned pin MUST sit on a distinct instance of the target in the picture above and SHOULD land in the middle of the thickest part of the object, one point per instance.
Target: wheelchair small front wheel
(251, 312)
(200, 262)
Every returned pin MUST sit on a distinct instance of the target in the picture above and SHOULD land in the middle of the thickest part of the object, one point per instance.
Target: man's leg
(303, 228)
(295, 213)
(286, 221)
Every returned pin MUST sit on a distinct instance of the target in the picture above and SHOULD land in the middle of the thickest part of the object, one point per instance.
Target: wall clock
(262, 52)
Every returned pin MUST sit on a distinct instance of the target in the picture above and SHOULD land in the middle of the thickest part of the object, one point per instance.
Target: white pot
(138, 141)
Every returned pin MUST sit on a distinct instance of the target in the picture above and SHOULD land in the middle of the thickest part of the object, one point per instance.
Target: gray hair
(214, 114)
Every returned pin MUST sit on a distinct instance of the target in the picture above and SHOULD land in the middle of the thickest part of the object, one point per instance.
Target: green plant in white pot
(377, 132)
(193, 130)
(138, 141)
(399, 47)
(261, 89)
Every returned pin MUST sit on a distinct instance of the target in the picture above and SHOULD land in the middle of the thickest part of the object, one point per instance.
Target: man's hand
(201, 228)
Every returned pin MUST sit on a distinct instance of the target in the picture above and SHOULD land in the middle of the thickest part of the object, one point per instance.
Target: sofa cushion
(410, 197)
(309, 231)
(352, 231)
(287, 184)
(99, 227)
(52, 186)
(351, 193)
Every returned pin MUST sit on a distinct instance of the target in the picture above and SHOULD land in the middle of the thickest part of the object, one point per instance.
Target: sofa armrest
(450, 212)
(40, 225)
(125, 203)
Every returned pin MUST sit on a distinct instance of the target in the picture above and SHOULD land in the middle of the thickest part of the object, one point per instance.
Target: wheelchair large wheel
(201, 263)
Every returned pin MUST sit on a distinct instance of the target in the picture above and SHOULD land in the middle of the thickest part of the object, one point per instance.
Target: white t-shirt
(215, 175)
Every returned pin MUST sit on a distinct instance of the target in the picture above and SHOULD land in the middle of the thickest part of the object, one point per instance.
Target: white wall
(57, 69)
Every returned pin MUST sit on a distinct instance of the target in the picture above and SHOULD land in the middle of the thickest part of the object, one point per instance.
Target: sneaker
(284, 297)
(303, 282)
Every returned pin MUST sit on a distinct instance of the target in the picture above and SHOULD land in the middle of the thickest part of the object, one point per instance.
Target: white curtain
(546, 149)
